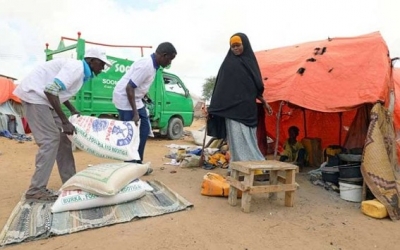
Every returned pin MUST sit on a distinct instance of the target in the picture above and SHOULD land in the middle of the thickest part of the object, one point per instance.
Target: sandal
(41, 197)
(149, 171)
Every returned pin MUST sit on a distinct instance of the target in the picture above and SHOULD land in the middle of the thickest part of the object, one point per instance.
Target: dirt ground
(320, 219)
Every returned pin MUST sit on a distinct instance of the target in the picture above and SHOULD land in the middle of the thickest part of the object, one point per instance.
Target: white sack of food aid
(106, 138)
(105, 179)
(70, 200)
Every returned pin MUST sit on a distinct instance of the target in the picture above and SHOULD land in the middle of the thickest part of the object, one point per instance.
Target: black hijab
(237, 85)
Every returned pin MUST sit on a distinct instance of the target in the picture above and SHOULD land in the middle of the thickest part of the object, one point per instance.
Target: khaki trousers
(53, 146)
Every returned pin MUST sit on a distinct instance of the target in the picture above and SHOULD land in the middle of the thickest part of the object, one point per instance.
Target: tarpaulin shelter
(323, 83)
(338, 90)
(7, 87)
(10, 105)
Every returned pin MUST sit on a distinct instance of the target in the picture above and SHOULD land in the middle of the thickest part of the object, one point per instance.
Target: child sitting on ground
(293, 150)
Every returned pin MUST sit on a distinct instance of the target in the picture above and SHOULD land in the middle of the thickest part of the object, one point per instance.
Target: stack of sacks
(102, 185)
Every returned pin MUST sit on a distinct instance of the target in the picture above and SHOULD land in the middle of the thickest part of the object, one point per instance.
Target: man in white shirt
(42, 92)
(134, 85)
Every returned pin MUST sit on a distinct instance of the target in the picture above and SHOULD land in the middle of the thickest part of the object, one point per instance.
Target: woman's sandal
(41, 197)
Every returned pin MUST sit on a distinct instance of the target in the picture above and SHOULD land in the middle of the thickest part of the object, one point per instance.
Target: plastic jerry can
(215, 185)
(374, 208)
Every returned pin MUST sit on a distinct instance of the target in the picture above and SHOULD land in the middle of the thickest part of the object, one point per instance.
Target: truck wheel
(175, 129)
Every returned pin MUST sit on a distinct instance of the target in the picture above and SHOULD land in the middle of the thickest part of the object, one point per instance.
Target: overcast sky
(200, 30)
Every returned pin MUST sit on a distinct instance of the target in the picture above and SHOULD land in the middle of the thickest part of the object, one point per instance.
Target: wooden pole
(340, 128)
(278, 124)
(305, 123)
(202, 156)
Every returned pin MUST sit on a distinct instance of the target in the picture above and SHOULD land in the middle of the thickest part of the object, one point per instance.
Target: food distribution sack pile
(105, 179)
(106, 138)
(101, 185)
(77, 199)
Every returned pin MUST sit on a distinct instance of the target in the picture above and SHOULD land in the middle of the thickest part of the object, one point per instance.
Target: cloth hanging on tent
(379, 166)
(396, 113)
(355, 137)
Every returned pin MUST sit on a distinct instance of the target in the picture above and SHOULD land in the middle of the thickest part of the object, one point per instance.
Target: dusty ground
(320, 219)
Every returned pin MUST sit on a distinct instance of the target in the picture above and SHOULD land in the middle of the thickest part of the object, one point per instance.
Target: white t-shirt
(70, 72)
(141, 73)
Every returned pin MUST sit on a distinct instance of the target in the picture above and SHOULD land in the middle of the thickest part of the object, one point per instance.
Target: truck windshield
(173, 85)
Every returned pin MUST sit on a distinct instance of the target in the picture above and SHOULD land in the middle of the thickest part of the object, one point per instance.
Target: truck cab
(171, 107)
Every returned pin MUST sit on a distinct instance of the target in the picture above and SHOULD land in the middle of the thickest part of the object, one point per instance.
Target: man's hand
(68, 128)
(75, 112)
(136, 118)
(130, 92)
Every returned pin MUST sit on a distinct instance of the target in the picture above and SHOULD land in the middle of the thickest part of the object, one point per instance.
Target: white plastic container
(350, 192)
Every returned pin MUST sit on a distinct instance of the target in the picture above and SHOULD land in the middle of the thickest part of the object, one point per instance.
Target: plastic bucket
(354, 181)
(350, 171)
(330, 176)
(350, 192)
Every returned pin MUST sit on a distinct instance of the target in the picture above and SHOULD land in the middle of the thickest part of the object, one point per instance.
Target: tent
(322, 85)
(10, 105)
(7, 87)
(338, 91)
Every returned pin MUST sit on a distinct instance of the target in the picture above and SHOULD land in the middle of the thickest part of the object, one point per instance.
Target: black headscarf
(237, 85)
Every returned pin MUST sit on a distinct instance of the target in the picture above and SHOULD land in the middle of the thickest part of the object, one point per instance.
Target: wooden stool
(276, 183)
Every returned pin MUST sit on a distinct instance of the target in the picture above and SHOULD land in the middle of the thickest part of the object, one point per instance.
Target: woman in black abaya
(232, 113)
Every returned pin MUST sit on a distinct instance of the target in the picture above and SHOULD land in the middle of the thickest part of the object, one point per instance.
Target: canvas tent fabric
(331, 75)
(327, 89)
(7, 86)
(323, 83)
(396, 113)
(331, 128)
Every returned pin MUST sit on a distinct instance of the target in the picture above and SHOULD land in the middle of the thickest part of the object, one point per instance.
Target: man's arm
(71, 108)
(67, 127)
(130, 92)
(51, 91)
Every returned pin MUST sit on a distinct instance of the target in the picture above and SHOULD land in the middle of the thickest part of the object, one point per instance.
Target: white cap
(99, 54)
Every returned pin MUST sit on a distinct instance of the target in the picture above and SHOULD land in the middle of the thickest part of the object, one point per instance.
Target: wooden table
(276, 183)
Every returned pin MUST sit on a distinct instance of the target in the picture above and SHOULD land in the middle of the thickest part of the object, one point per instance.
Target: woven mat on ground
(379, 166)
(32, 221)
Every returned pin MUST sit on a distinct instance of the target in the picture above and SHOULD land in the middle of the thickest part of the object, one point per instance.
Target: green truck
(171, 108)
